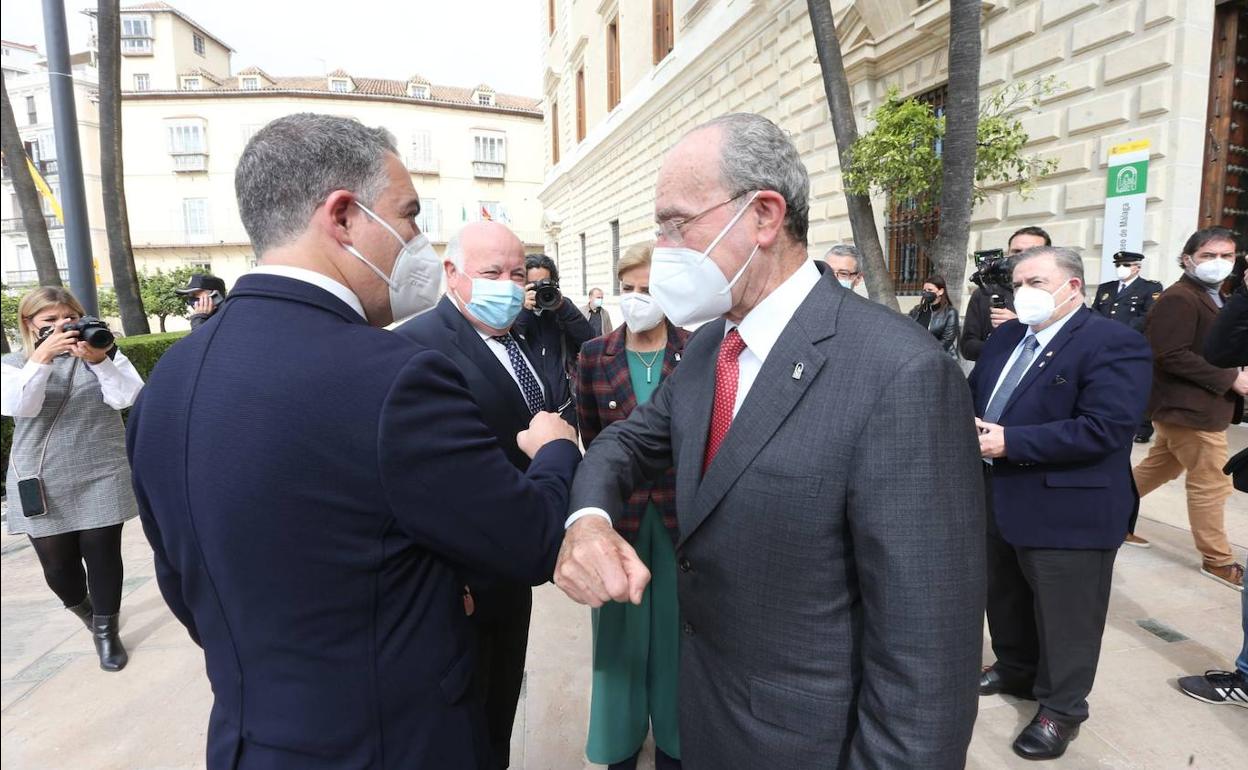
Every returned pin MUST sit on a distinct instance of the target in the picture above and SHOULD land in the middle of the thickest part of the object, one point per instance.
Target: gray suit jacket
(831, 561)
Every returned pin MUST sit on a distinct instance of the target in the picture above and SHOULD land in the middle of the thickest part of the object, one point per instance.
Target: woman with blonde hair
(636, 648)
(68, 479)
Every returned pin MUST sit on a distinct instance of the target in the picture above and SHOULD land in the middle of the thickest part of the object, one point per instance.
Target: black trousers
(1046, 616)
(502, 618)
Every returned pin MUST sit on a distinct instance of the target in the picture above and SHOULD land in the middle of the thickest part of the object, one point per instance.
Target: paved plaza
(61, 712)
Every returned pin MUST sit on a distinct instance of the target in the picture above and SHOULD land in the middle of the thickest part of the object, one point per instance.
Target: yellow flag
(46, 192)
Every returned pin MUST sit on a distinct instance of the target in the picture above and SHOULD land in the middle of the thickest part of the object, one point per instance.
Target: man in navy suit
(312, 486)
(498, 364)
(1058, 394)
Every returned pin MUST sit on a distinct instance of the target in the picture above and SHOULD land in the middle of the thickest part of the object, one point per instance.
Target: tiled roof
(200, 72)
(419, 80)
(368, 87)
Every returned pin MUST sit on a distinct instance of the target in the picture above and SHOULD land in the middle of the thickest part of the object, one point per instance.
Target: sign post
(1125, 192)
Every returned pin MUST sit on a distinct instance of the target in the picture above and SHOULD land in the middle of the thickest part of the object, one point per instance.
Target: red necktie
(727, 372)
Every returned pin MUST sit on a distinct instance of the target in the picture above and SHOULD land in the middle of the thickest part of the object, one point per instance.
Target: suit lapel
(1044, 362)
(478, 353)
(615, 370)
(697, 398)
(775, 393)
(992, 367)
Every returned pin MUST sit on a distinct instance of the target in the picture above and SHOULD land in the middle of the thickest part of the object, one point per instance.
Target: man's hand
(597, 566)
(530, 297)
(1000, 315)
(204, 305)
(544, 428)
(1240, 385)
(991, 439)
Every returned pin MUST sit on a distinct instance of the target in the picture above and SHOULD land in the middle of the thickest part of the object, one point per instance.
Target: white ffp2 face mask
(1124, 273)
(1213, 272)
(688, 285)
(416, 280)
(1036, 306)
(641, 312)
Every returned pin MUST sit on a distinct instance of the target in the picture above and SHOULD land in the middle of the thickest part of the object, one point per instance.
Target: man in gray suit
(829, 497)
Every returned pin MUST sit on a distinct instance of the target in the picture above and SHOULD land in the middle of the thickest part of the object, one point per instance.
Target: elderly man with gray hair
(828, 498)
(312, 485)
(845, 263)
(1058, 393)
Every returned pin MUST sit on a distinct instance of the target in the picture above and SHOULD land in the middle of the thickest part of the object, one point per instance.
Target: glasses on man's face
(844, 274)
(673, 229)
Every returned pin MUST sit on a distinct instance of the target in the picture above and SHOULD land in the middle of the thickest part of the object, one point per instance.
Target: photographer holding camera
(550, 323)
(992, 303)
(68, 462)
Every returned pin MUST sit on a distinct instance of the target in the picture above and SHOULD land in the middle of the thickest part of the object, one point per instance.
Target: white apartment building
(187, 115)
(26, 78)
(624, 79)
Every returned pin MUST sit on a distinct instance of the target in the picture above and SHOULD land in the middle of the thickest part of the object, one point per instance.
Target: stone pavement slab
(60, 712)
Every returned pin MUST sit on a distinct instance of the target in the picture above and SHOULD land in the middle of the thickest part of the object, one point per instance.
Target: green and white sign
(1126, 187)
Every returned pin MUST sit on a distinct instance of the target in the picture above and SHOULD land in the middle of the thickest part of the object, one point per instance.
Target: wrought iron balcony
(16, 225)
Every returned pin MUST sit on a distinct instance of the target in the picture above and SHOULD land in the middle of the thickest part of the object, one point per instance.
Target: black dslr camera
(992, 271)
(91, 330)
(547, 295)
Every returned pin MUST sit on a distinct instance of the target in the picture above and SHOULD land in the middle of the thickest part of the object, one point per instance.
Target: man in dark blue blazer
(312, 486)
(1058, 394)
(497, 363)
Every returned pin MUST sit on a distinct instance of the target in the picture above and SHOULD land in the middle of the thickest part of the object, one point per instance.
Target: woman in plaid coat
(636, 647)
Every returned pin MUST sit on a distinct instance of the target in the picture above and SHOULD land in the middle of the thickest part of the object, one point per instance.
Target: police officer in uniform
(1128, 300)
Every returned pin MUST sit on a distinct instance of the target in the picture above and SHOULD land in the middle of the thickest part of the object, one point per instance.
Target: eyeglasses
(844, 274)
(672, 229)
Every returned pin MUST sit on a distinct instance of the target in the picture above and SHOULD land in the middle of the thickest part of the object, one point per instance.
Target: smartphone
(997, 302)
(31, 493)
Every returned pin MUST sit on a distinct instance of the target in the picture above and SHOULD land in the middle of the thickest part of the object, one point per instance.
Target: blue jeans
(1242, 663)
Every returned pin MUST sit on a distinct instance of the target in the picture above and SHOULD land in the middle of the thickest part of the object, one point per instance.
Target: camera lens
(547, 297)
(98, 337)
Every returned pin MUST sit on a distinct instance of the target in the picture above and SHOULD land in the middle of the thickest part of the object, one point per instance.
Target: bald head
(489, 240)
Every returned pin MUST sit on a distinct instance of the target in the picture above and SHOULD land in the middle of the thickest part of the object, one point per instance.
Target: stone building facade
(1131, 69)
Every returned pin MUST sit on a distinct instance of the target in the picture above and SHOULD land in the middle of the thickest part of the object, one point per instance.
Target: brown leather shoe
(1231, 575)
(1136, 541)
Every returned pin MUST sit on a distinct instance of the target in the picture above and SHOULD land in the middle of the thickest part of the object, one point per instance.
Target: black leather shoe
(84, 611)
(1044, 739)
(991, 683)
(113, 656)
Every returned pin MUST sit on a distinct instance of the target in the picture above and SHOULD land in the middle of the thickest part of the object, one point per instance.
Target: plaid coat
(604, 394)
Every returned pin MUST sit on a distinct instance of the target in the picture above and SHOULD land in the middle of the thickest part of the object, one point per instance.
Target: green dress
(637, 647)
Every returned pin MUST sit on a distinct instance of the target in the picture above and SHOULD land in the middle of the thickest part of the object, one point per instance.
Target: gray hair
(845, 250)
(1068, 260)
(292, 165)
(758, 155)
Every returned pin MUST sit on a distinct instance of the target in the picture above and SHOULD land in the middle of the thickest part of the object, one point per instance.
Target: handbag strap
(43, 452)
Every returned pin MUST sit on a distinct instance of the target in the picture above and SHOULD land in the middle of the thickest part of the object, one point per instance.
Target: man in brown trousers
(1193, 402)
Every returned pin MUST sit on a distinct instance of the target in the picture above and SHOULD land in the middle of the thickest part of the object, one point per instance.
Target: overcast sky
(498, 42)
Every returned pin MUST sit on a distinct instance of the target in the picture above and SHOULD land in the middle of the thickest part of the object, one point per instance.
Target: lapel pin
(798, 368)
(611, 404)
(677, 357)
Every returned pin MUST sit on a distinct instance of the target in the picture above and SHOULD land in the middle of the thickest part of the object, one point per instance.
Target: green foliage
(9, 300)
(899, 155)
(157, 290)
(106, 298)
(144, 350)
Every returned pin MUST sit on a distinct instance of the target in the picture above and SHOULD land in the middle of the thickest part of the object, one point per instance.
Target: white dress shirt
(24, 387)
(1043, 338)
(319, 280)
(500, 352)
(760, 329)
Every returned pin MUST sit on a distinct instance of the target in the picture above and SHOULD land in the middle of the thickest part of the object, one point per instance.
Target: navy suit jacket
(445, 330)
(310, 486)
(1065, 481)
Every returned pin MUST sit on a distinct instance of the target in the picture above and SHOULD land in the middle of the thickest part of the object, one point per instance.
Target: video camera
(993, 272)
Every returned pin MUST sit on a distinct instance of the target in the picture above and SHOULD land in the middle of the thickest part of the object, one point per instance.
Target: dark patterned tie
(1002, 397)
(727, 373)
(528, 384)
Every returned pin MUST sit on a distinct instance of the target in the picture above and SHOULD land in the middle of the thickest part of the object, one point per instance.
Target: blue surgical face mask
(495, 303)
